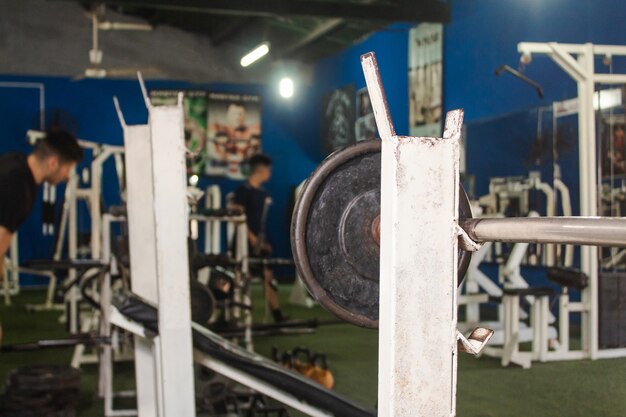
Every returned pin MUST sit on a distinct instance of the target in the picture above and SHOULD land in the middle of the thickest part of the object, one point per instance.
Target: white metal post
(588, 196)
(212, 235)
(72, 251)
(139, 192)
(171, 227)
(142, 250)
(418, 256)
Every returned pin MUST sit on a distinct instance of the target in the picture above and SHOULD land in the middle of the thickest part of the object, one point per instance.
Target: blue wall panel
(484, 35)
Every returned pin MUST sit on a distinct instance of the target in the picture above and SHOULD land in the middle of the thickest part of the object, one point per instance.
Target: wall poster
(234, 133)
(338, 118)
(222, 130)
(365, 126)
(425, 79)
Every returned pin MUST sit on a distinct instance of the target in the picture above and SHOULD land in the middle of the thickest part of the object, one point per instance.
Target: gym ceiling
(300, 30)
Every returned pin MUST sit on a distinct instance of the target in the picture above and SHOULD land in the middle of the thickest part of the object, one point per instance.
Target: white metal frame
(212, 228)
(11, 271)
(158, 229)
(142, 248)
(578, 61)
(418, 310)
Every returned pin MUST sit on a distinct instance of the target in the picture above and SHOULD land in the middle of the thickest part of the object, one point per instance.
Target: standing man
(52, 160)
(255, 201)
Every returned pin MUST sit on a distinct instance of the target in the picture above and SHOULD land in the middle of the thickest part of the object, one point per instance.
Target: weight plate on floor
(44, 378)
(335, 233)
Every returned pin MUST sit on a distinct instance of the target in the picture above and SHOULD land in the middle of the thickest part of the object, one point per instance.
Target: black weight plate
(334, 236)
(44, 378)
(202, 303)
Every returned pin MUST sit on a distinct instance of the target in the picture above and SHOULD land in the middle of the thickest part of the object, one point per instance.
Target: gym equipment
(71, 341)
(517, 74)
(579, 62)
(221, 285)
(319, 371)
(312, 365)
(289, 327)
(335, 234)
(239, 365)
(301, 360)
(41, 390)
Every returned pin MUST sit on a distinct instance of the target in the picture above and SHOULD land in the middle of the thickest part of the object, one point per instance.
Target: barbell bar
(592, 231)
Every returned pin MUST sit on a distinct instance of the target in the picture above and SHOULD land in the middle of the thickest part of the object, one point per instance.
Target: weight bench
(247, 368)
(50, 267)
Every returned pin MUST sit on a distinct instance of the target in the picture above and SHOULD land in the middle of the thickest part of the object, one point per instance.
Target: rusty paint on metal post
(419, 214)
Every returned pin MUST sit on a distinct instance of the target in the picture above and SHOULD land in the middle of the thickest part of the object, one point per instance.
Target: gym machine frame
(578, 61)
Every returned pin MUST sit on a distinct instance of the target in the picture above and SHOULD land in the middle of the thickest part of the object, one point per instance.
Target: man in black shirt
(52, 160)
(255, 202)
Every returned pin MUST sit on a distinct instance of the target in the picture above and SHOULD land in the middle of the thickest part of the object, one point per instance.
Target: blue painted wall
(484, 35)
(501, 112)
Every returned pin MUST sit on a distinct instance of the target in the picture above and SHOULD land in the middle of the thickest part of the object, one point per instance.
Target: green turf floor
(568, 389)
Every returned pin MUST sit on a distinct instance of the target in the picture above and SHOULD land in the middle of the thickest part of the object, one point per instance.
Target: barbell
(335, 232)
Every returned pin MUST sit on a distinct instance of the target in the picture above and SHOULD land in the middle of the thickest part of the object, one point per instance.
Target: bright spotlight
(193, 180)
(285, 87)
(255, 54)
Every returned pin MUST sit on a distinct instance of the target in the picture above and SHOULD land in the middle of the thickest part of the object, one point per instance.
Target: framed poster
(234, 133)
(425, 79)
(338, 118)
(365, 126)
(195, 105)
(222, 130)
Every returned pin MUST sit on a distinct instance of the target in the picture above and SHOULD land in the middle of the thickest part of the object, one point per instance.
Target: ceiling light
(285, 87)
(256, 54)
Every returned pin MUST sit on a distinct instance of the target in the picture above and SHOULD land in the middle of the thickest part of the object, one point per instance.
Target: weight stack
(41, 391)
(612, 305)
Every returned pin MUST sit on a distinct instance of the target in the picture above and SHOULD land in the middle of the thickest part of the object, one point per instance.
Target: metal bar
(517, 74)
(377, 96)
(317, 33)
(544, 48)
(610, 78)
(428, 11)
(256, 384)
(171, 223)
(588, 195)
(567, 62)
(142, 248)
(588, 231)
(231, 29)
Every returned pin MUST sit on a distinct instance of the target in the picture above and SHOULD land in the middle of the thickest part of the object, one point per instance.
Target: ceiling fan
(95, 68)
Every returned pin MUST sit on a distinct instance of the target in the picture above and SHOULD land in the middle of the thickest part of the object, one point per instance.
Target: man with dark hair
(52, 160)
(254, 200)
